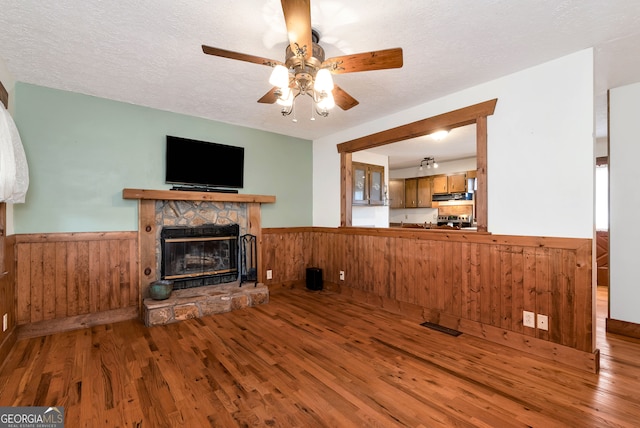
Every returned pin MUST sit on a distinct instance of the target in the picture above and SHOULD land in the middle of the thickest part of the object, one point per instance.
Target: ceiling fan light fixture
(305, 70)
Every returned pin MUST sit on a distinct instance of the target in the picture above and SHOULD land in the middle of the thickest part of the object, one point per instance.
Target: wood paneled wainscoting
(66, 281)
(476, 283)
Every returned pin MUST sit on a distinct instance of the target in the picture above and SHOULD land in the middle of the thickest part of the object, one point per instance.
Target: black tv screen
(203, 164)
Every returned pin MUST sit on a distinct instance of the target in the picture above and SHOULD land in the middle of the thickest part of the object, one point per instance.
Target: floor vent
(441, 329)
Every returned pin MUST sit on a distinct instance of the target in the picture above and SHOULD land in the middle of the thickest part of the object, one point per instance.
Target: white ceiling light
(439, 135)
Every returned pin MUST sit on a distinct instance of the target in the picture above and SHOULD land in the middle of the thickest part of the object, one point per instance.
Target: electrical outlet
(5, 322)
(269, 274)
(341, 275)
(528, 319)
(543, 322)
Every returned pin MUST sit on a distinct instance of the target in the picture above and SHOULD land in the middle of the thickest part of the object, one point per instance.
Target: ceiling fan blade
(270, 97)
(239, 56)
(297, 15)
(342, 99)
(367, 61)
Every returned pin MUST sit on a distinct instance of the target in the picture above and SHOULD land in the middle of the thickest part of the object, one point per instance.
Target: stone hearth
(202, 301)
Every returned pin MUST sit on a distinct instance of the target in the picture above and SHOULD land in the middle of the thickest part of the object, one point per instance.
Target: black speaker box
(314, 278)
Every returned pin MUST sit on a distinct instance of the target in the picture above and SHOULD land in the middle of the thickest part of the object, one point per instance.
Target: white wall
(624, 203)
(540, 150)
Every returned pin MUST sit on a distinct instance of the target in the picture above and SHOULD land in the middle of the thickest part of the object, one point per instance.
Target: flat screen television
(201, 164)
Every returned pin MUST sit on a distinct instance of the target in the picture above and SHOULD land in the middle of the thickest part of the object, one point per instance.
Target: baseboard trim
(45, 328)
(623, 328)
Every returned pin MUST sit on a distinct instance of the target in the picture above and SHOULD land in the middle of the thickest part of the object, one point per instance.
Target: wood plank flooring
(313, 359)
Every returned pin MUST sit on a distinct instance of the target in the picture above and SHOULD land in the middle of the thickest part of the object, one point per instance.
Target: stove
(461, 220)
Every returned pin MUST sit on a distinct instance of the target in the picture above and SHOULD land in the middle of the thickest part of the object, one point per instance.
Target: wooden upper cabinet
(368, 184)
(440, 184)
(457, 183)
(424, 192)
(411, 192)
(396, 193)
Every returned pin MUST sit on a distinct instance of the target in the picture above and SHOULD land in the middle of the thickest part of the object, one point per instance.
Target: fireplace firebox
(200, 255)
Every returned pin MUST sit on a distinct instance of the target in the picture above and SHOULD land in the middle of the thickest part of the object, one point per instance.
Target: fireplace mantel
(147, 225)
(179, 195)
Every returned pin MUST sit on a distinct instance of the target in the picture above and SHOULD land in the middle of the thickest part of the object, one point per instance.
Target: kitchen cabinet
(368, 184)
(417, 192)
(396, 193)
(456, 183)
(411, 192)
(424, 192)
(440, 184)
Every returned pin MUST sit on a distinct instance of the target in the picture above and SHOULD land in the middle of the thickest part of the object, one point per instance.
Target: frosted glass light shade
(324, 81)
(327, 103)
(280, 77)
(286, 99)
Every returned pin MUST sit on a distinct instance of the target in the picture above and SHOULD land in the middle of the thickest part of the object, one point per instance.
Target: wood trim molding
(4, 96)
(173, 195)
(623, 328)
(346, 178)
(72, 236)
(450, 120)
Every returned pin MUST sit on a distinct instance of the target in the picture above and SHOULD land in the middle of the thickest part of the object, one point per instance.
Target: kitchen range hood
(440, 197)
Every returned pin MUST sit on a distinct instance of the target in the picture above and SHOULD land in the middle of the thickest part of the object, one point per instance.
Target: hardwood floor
(311, 359)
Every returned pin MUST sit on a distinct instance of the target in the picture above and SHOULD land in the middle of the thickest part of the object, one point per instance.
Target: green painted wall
(82, 151)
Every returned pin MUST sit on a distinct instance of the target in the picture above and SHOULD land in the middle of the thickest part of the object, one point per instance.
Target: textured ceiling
(148, 52)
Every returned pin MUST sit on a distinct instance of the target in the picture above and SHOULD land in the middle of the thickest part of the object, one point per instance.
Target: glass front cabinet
(368, 184)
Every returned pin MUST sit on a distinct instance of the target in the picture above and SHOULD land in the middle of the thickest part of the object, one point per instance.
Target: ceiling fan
(305, 71)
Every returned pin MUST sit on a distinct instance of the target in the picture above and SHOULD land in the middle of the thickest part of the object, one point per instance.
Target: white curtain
(14, 172)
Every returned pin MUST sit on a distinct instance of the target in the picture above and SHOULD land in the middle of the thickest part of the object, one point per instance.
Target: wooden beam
(346, 190)
(450, 120)
(481, 174)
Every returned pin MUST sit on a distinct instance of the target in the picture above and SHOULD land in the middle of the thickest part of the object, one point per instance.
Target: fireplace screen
(197, 256)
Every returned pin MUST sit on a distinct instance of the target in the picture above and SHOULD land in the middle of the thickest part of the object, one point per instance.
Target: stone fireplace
(159, 209)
